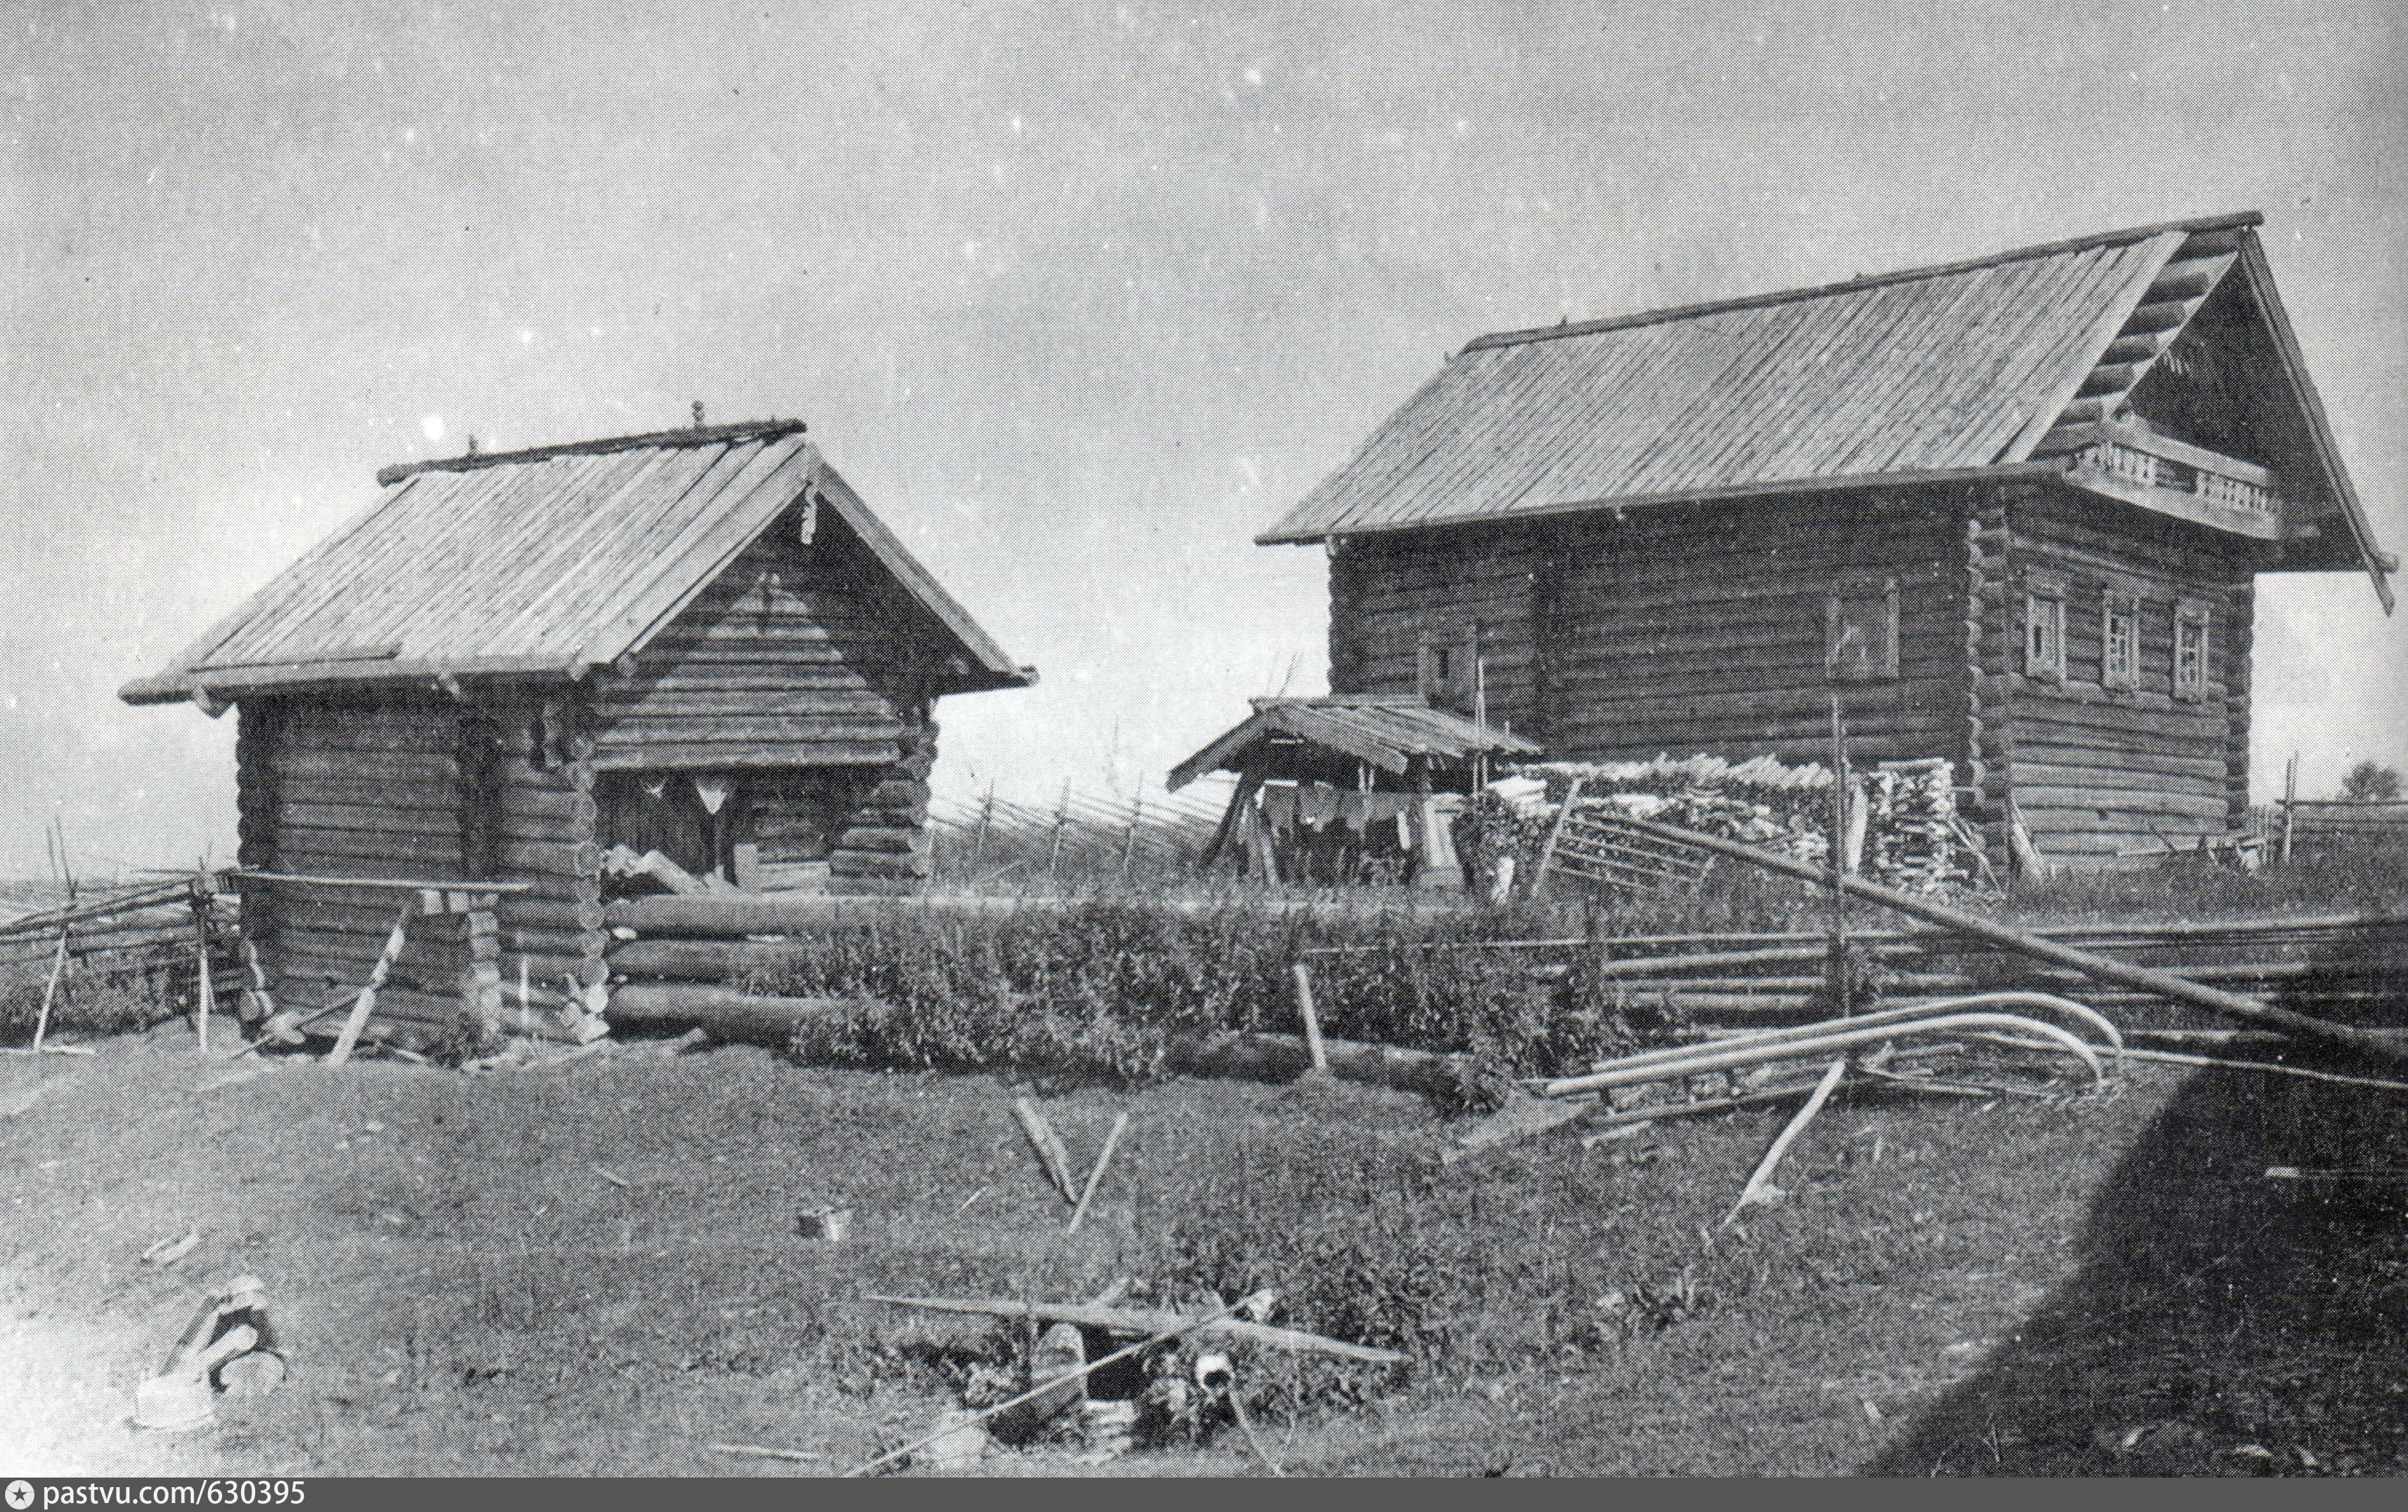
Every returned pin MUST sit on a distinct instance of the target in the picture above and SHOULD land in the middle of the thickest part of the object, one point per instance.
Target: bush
(87, 1002)
(1101, 990)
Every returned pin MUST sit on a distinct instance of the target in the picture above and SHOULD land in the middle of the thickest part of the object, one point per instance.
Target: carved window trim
(2044, 626)
(1840, 628)
(2193, 646)
(2119, 608)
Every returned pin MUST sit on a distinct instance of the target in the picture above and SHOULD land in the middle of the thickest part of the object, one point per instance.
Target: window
(2119, 652)
(2190, 649)
(1860, 630)
(1450, 668)
(2045, 626)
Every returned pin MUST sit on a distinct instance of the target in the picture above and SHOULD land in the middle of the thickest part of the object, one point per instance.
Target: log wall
(807, 674)
(2097, 770)
(370, 786)
(1679, 629)
(795, 656)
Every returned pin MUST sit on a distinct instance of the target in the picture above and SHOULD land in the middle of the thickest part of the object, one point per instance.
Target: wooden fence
(992, 843)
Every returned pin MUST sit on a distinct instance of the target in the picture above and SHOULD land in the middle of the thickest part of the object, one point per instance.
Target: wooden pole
(1048, 1145)
(49, 990)
(1095, 1176)
(1840, 993)
(1061, 822)
(1249, 782)
(365, 1005)
(1554, 833)
(2290, 796)
(1759, 1186)
(2392, 1043)
(1303, 977)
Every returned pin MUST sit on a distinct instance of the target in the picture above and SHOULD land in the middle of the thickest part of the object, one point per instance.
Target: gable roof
(1385, 729)
(540, 563)
(1958, 369)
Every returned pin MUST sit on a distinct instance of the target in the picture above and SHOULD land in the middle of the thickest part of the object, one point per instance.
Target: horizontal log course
(750, 729)
(586, 971)
(814, 703)
(553, 913)
(371, 820)
(726, 1013)
(865, 863)
(286, 765)
(365, 740)
(565, 803)
(411, 855)
(291, 858)
(440, 795)
(568, 777)
(898, 792)
(874, 887)
(709, 754)
(578, 944)
(548, 888)
(563, 829)
(550, 858)
(699, 961)
(2039, 799)
(2050, 761)
(881, 840)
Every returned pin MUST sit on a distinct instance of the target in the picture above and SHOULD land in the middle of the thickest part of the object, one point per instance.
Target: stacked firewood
(1914, 839)
(1911, 834)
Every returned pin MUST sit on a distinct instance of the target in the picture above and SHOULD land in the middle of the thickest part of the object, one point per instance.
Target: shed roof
(538, 563)
(1388, 731)
(1961, 368)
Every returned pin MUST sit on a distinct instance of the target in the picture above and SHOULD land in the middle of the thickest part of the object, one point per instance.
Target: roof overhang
(1387, 732)
(1854, 483)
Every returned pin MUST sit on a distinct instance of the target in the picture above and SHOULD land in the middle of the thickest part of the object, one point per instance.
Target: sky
(1079, 297)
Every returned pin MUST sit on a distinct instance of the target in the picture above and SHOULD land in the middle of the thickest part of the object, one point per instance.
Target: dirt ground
(596, 1269)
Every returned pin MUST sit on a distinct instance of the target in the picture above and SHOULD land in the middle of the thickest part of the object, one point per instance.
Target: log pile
(1915, 841)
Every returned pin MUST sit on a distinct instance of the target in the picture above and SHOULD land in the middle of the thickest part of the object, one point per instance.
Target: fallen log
(1133, 1321)
(1258, 1057)
(726, 1013)
(716, 916)
(2392, 1043)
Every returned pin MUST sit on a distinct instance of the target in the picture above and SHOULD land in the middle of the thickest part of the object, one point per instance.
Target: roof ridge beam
(693, 436)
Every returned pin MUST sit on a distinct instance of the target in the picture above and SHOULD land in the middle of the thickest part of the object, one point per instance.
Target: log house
(2010, 510)
(700, 642)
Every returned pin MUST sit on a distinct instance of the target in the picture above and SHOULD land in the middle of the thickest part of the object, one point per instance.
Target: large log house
(2011, 511)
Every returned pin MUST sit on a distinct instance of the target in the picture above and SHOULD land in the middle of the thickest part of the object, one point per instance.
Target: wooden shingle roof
(1960, 369)
(540, 563)
(1388, 731)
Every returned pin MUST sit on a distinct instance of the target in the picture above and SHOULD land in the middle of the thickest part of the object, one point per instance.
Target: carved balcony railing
(2161, 472)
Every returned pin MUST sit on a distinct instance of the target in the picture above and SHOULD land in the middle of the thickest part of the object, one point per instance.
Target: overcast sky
(1079, 296)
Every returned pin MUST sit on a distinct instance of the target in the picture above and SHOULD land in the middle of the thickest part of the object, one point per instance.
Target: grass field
(596, 1268)
(2016, 1288)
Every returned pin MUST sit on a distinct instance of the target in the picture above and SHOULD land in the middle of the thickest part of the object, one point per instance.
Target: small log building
(700, 642)
(2011, 512)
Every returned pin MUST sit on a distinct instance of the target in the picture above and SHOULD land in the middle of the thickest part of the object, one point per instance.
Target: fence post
(1061, 822)
(986, 817)
(1128, 842)
(2290, 796)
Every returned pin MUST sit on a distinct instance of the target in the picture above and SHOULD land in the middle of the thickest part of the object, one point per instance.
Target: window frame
(2190, 613)
(2045, 595)
(2114, 605)
(1860, 589)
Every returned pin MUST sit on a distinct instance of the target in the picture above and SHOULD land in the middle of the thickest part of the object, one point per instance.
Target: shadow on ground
(2222, 1321)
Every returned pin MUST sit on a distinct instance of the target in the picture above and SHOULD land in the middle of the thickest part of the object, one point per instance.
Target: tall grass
(1100, 990)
